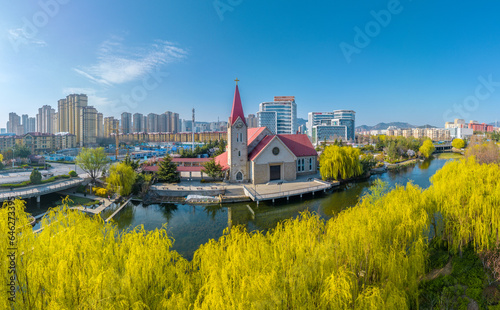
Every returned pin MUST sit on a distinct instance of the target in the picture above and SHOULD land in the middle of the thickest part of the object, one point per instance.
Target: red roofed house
(256, 155)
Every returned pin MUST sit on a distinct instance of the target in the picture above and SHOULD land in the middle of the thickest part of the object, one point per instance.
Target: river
(191, 226)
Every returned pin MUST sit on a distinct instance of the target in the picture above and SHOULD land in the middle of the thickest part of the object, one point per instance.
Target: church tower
(237, 157)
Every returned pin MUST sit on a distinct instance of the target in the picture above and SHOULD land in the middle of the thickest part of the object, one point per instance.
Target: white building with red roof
(256, 155)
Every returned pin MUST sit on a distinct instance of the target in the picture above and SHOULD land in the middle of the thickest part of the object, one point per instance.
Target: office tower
(345, 118)
(153, 122)
(88, 124)
(137, 122)
(70, 114)
(45, 119)
(285, 110)
(13, 123)
(268, 119)
(99, 125)
(126, 123)
(317, 118)
(252, 121)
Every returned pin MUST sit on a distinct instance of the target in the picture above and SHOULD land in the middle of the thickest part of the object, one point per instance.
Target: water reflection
(191, 226)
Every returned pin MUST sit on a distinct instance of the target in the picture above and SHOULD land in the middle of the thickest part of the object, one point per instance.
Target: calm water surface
(191, 226)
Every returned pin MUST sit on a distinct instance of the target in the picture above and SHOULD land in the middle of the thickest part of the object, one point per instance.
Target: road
(56, 169)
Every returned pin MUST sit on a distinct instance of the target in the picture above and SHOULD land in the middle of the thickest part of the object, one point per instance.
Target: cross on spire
(236, 81)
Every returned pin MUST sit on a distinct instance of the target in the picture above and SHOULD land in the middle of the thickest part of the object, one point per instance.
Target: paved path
(104, 202)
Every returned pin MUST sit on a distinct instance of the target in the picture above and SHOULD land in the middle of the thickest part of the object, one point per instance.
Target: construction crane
(116, 130)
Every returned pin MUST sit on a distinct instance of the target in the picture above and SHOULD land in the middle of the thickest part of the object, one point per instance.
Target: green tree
(35, 177)
(458, 143)
(1, 161)
(340, 163)
(121, 178)
(213, 169)
(21, 151)
(92, 161)
(130, 162)
(167, 171)
(427, 148)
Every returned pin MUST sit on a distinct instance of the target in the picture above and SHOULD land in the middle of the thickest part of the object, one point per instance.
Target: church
(255, 155)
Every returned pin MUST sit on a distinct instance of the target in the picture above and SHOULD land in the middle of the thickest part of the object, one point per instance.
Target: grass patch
(448, 155)
(78, 201)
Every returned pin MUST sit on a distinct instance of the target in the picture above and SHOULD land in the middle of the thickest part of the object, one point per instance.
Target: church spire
(237, 107)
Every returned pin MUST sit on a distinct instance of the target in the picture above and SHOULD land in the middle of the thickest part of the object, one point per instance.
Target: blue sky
(421, 62)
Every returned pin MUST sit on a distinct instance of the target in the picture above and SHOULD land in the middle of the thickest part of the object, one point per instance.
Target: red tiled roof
(262, 144)
(237, 110)
(179, 169)
(300, 145)
(189, 160)
(222, 160)
(253, 133)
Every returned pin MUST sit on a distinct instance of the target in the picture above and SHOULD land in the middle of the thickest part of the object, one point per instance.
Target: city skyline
(413, 62)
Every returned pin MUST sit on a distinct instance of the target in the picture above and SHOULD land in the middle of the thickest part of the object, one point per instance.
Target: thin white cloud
(94, 99)
(19, 35)
(118, 64)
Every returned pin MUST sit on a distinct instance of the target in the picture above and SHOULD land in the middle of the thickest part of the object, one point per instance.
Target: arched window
(239, 176)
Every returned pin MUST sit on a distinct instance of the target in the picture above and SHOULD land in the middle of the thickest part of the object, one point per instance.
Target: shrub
(73, 174)
(101, 192)
(35, 177)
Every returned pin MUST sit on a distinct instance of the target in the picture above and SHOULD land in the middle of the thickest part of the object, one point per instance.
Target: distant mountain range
(384, 126)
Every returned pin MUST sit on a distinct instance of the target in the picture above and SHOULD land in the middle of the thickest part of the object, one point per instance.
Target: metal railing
(41, 190)
(254, 195)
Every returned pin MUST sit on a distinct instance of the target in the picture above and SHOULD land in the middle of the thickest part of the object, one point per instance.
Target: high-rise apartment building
(31, 126)
(70, 114)
(153, 122)
(163, 122)
(88, 126)
(24, 122)
(45, 119)
(174, 122)
(99, 125)
(14, 124)
(137, 122)
(252, 121)
(126, 123)
(285, 110)
(110, 125)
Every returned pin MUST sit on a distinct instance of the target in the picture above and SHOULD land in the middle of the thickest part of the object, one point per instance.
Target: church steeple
(237, 109)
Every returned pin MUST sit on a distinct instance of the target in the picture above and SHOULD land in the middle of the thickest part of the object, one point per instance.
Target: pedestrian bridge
(443, 147)
(39, 190)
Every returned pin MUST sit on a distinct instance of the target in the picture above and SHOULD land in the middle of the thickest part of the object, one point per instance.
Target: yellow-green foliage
(371, 256)
(427, 148)
(121, 178)
(340, 162)
(99, 191)
(468, 196)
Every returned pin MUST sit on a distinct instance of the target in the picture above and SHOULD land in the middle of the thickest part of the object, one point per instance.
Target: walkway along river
(191, 226)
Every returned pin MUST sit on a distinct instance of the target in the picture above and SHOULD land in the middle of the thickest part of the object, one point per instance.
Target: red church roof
(237, 108)
(300, 145)
(222, 160)
(262, 144)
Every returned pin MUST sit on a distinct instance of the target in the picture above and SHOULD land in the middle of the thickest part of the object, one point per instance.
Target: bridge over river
(39, 190)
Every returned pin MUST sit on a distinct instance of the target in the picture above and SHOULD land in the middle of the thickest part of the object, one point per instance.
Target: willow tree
(467, 194)
(121, 178)
(340, 163)
(427, 148)
(458, 143)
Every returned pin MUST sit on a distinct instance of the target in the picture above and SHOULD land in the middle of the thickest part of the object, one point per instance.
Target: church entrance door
(275, 172)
